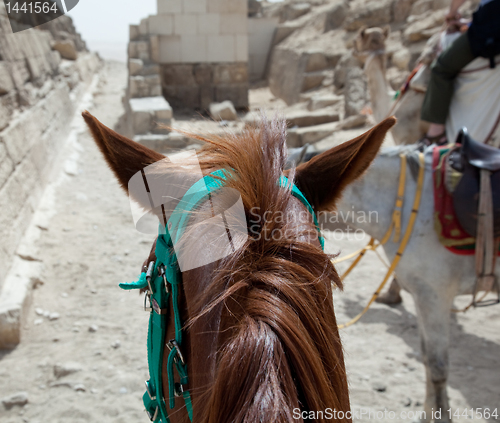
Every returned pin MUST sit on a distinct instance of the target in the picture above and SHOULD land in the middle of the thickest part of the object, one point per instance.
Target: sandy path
(90, 245)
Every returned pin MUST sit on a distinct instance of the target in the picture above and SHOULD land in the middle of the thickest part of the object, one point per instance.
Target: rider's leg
(440, 90)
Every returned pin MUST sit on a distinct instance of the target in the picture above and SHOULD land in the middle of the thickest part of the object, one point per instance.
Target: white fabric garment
(476, 103)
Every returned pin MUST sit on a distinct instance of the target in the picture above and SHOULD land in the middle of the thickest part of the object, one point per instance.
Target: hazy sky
(104, 23)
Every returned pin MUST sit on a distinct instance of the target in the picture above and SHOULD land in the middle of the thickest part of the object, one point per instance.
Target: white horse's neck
(377, 84)
(368, 203)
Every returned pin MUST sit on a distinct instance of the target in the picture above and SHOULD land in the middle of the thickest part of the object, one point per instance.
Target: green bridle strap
(164, 273)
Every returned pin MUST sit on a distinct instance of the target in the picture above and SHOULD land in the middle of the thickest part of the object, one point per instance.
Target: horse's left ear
(124, 156)
(324, 177)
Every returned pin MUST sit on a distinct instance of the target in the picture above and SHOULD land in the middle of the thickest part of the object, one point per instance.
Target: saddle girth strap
(485, 242)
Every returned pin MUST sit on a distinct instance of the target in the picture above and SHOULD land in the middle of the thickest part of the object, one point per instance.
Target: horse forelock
(279, 349)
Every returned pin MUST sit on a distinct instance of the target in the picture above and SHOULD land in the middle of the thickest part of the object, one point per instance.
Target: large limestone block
(321, 101)
(371, 13)
(355, 91)
(6, 83)
(303, 118)
(422, 29)
(169, 6)
(161, 24)
(66, 49)
(236, 93)
(223, 111)
(286, 74)
(336, 15)
(135, 66)
(8, 103)
(139, 50)
(148, 111)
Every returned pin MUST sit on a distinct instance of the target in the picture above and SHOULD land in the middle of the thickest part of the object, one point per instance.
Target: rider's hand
(453, 19)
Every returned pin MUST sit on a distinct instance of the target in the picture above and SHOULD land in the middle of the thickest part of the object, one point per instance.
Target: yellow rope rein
(396, 227)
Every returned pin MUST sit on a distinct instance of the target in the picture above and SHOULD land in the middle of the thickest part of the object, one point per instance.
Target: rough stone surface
(371, 13)
(322, 101)
(401, 58)
(65, 369)
(355, 91)
(66, 49)
(286, 74)
(223, 111)
(19, 399)
(6, 83)
(303, 118)
(335, 17)
(423, 29)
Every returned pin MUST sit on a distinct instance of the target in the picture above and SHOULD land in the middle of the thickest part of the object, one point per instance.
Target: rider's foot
(439, 139)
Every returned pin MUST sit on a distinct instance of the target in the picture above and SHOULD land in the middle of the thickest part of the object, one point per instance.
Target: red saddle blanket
(446, 224)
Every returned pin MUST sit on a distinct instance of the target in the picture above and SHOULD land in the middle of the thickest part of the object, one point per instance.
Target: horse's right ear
(324, 177)
(124, 156)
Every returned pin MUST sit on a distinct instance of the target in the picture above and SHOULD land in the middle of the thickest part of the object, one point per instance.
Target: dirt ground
(88, 364)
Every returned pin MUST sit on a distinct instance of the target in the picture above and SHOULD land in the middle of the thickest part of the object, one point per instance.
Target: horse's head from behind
(260, 337)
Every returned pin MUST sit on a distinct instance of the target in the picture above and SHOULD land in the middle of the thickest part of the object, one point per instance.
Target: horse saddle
(473, 158)
(476, 200)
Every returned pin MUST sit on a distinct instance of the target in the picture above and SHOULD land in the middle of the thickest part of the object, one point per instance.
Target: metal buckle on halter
(152, 417)
(178, 356)
(146, 297)
(162, 272)
(149, 274)
(151, 397)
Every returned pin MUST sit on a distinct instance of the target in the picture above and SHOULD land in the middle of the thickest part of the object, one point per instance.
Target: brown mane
(278, 347)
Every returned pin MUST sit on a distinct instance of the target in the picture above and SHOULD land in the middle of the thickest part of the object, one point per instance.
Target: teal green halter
(162, 281)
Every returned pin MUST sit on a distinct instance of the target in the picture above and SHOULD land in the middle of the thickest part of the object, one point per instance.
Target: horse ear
(124, 156)
(325, 176)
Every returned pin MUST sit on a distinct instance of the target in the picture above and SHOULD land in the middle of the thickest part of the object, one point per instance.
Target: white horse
(428, 271)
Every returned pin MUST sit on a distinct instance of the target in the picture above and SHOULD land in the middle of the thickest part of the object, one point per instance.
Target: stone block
(195, 6)
(162, 142)
(147, 112)
(154, 45)
(208, 24)
(336, 15)
(372, 13)
(144, 27)
(135, 66)
(15, 300)
(186, 97)
(316, 61)
(66, 49)
(161, 24)
(6, 83)
(185, 24)
(312, 80)
(321, 101)
(221, 48)
(422, 29)
(284, 30)
(230, 73)
(144, 86)
(19, 72)
(242, 48)
(236, 93)
(286, 71)
(237, 6)
(139, 50)
(207, 96)
(8, 103)
(6, 165)
(303, 118)
(169, 6)
(401, 58)
(401, 10)
(133, 32)
(193, 48)
(355, 91)
(223, 111)
(295, 10)
(233, 23)
(170, 49)
(216, 6)
(177, 75)
(203, 73)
